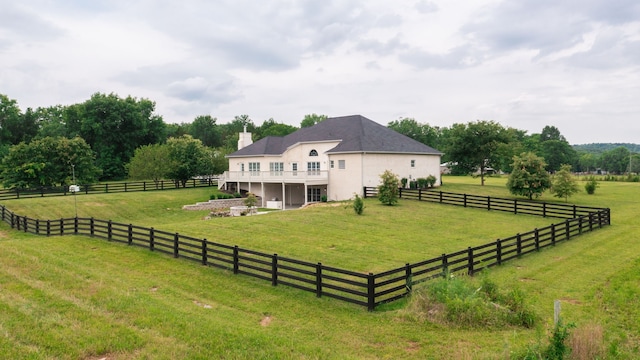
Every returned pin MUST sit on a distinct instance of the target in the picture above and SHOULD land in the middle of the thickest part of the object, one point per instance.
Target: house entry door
(313, 194)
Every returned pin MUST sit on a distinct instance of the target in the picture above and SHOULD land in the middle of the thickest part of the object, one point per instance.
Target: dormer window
(313, 153)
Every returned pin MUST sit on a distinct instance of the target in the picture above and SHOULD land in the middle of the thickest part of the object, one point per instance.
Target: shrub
(431, 181)
(358, 204)
(455, 301)
(422, 183)
(591, 185)
(404, 182)
(388, 190)
(323, 198)
(237, 195)
(213, 197)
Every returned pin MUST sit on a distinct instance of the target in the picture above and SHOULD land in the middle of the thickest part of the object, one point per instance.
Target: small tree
(250, 201)
(388, 192)
(529, 177)
(358, 204)
(564, 185)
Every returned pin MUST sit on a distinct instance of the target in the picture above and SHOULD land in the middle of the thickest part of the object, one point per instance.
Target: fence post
(420, 194)
(274, 270)
(440, 197)
(61, 227)
(144, 186)
(499, 251)
(75, 225)
(130, 235)
(445, 266)
(567, 229)
(48, 228)
(204, 252)
(319, 280)
(409, 278)
(37, 226)
(176, 245)
(537, 237)
(106, 188)
(13, 223)
(590, 221)
(465, 200)
(41, 191)
(575, 212)
(519, 244)
(236, 259)
(91, 227)
(161, 184)
(580, 224)
(400, 192)
(371, 292)
(553, 234)
(489, 203)
(599, 219)
(544, 209)
(109, 230)
(515, 206)
(470, 261)
(151, 239)
(26, 224)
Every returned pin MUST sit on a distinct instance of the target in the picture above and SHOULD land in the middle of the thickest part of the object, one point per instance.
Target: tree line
(108, 137)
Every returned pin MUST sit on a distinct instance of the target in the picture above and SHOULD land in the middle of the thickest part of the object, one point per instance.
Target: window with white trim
(331, 164)
(276, 168)
(413, 163)
(342, 164)
(254, 168)
(313, 168)
(313, 153)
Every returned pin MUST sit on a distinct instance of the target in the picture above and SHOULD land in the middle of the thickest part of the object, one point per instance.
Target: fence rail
(364, 289)
(9, 194)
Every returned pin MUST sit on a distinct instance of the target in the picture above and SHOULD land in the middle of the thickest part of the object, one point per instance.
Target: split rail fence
(364, 289)
(8, 194)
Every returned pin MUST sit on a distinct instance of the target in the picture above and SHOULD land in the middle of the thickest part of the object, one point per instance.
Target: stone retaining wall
(218, 204)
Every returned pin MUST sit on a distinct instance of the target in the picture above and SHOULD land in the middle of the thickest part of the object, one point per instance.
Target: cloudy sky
(573, 64)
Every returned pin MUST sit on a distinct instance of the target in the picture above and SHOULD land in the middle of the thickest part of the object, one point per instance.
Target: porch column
(284, 197)
(305, 193)
(262, 189)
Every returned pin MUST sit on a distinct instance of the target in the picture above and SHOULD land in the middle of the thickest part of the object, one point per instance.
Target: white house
(335, 158)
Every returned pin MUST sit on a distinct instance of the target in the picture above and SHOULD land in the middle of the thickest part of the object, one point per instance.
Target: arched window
(313, 153)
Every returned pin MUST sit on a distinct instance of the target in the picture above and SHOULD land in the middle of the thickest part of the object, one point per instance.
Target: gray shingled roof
(357, 134)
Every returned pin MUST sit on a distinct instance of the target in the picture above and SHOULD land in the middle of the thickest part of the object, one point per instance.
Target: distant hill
(599, 148)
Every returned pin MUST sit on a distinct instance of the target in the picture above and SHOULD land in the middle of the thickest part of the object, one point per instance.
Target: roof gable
(355, 133)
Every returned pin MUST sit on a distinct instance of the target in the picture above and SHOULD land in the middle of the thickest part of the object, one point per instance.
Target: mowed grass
(381, 239)
(75, 297)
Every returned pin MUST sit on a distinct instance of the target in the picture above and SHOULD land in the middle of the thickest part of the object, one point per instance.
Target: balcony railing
(276, 176)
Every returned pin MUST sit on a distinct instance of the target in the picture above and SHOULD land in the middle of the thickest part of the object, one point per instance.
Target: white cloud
(525, 64)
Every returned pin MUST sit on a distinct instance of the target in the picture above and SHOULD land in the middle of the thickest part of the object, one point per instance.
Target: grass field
(74, 297)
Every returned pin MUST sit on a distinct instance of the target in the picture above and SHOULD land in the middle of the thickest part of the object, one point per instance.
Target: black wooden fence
(8, 194)
(364, 289)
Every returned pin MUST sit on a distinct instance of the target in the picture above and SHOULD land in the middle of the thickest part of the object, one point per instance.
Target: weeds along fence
(364, 289)
(8, 194)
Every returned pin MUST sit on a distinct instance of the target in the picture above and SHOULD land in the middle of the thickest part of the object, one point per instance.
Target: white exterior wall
(399, 164)
(343, 183)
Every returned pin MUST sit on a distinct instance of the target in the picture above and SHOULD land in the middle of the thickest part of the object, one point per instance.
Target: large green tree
(474, 146)
(10, 121)
(423, 133)
(528, 176)
(188, 157)
(312, 119)
(205, 129)
(272, 128)
(616, 160)
(48, 162)
(114, 127)
(150, 162)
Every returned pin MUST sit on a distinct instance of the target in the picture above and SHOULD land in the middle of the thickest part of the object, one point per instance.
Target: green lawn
(75, 297)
